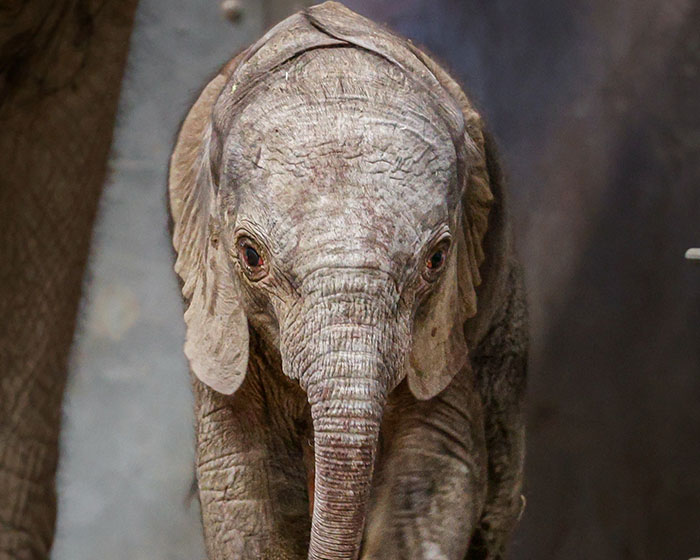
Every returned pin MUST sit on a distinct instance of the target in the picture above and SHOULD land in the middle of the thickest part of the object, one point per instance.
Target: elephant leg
(504, 501)
(61, 65)
(251, 475)
(500, 364)
(431, 476)
(505, 434)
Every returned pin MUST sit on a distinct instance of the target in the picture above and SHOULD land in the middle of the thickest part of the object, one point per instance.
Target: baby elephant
(356, 324)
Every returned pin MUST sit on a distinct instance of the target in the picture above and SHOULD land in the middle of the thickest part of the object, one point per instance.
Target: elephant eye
(436, 260)
(250, 257)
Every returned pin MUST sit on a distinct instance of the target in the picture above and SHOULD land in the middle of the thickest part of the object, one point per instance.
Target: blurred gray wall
(127, 447)
(596, 109)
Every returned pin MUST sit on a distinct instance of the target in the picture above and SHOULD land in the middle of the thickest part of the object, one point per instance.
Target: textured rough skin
(500, 363)
(339, 414)
(61, 66)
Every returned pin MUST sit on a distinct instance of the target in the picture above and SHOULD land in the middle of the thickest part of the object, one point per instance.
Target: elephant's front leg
(500, 365)
(431, 477)
(252, 483)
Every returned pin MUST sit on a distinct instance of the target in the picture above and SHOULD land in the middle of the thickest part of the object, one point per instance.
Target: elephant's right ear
(216, 343)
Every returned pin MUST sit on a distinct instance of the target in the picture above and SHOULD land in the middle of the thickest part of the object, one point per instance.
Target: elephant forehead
(345, 156)
(356, 160)
(353, 182)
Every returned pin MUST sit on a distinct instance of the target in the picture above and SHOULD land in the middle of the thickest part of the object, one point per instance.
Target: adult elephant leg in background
(61, 67)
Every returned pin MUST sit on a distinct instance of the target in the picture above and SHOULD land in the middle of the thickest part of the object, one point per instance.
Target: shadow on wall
(596, 110)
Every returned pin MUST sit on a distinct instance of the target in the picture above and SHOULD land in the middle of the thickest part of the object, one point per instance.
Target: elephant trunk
(346, 420)
(345, 357)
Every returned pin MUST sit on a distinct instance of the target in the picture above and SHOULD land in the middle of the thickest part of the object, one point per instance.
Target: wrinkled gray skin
(339, 413)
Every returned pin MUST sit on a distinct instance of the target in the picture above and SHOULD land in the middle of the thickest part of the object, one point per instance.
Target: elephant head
(330, 193)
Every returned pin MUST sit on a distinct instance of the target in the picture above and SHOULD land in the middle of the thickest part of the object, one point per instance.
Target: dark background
(596, 108)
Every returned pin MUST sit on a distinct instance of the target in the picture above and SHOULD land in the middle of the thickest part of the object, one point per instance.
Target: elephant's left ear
(439, 348)
(439, 343)
(217, 339)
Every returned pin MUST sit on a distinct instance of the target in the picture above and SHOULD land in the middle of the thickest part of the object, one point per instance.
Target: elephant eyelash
(253, 260)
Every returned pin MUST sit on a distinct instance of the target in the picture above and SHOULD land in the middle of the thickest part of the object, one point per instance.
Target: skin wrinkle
(296, 66)
(256, 119)
(304, 112)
